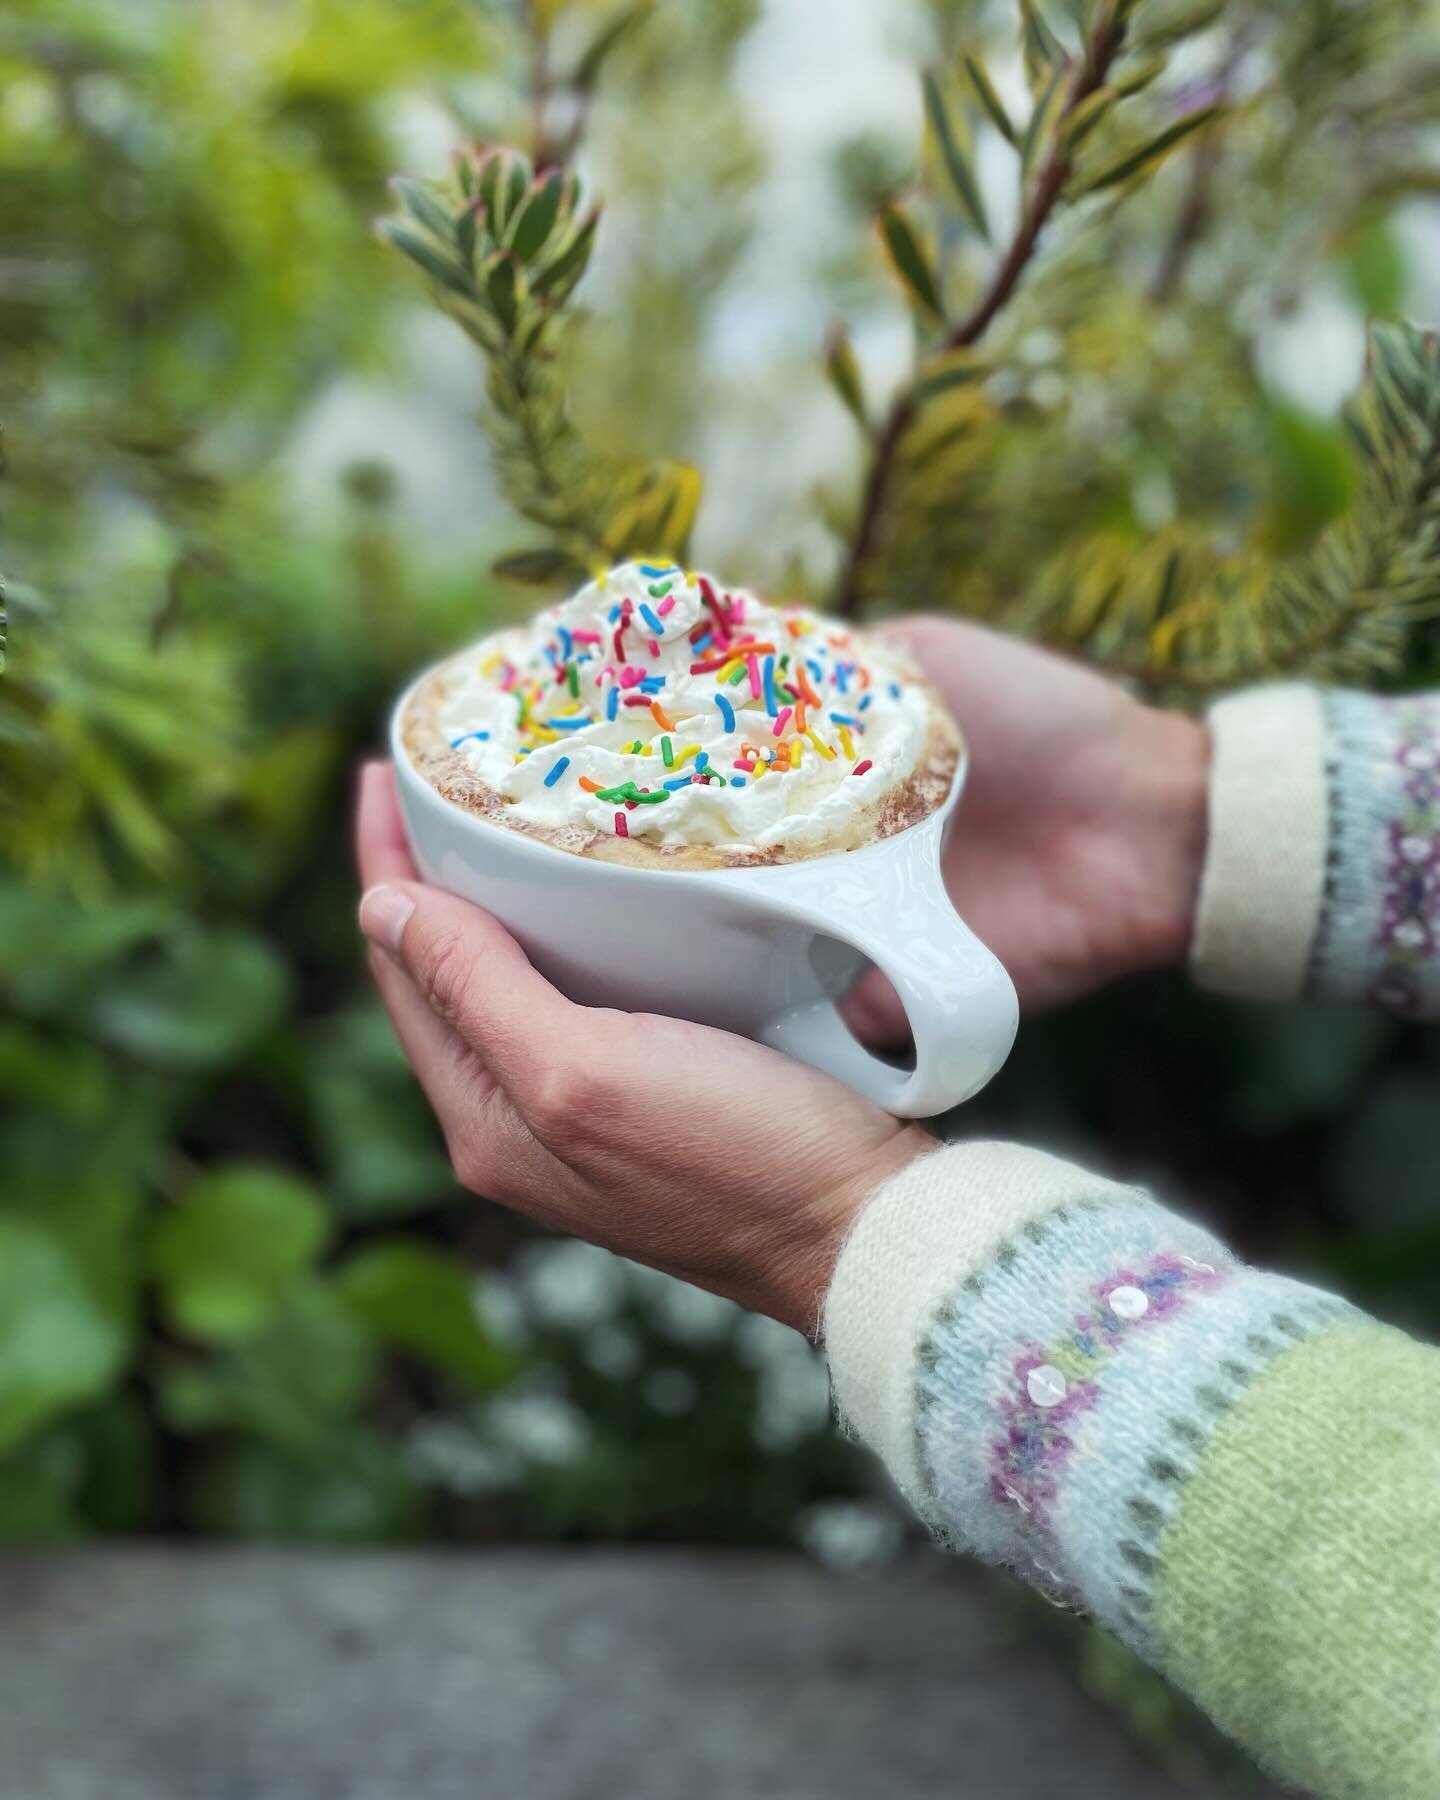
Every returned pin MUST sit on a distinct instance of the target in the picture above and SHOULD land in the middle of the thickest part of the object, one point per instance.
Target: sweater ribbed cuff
(1264, 875)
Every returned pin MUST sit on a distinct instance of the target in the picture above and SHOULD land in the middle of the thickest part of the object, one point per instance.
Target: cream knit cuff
(1264, 874)
(918, 1239)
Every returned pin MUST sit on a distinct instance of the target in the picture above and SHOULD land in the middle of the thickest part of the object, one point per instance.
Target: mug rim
(402, 759)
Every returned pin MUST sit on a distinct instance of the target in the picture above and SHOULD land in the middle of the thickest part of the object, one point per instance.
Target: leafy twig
(1103, 47)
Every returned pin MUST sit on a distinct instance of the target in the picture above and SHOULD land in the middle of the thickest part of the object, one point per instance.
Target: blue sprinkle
(568, 724)
(612, 705)
(651, 684)
(727, 711)
(524, 750)
(702, 760)
(772, 705)
(559, 769)
(613, 614)
(842, 680)
(679, 782)
(814, 668)
(702, 644)
(650, 619)
(894, 690)
(865, 703)
(455, 743)
(845, 719)
(737, 781)
(652, 572)
(567, 643)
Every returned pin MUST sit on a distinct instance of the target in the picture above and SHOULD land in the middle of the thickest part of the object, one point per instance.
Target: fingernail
(383, 915)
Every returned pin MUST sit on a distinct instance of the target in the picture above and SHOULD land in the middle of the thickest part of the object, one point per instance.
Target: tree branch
(1104, 47)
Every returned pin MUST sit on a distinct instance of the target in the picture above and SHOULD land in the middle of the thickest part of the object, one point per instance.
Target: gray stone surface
(154, 1673)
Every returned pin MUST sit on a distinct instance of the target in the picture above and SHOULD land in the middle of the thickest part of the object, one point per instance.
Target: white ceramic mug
(765, 952)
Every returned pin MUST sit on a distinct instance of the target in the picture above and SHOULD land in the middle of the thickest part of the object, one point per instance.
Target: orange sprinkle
(590, 787)
(661, 717)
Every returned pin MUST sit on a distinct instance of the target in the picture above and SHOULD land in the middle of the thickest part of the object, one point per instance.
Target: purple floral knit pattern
(1410, 905)
(1028, 1459)
(1378, 937)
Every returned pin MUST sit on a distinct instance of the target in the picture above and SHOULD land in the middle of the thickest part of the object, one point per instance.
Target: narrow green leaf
(911, 260)
(844, 371)
(1140, 75)
(1086, 116)
(537, 568)
(422, 206)
(606, 40)
(558, 278)
(465, 231)
(489, 169)
(1148, 156)
(951, 369)
(1038, 126)
(949, 135)
(424, 252)
(989, 99)
(500, 289)
(535, 218)
(1043, 50)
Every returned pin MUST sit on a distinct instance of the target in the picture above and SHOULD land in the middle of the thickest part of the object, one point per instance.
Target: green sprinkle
(623, 792)
(573, 678)
(667, 752)
(738, 676)
(660, 589)
(651, 799)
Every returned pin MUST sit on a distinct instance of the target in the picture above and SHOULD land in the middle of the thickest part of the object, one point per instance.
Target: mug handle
(889, 903)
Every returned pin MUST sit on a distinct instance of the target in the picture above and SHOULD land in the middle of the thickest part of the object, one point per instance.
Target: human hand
(713, 1158)
(1078, 842)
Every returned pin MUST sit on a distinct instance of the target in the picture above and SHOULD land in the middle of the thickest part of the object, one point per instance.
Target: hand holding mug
(713, 1158)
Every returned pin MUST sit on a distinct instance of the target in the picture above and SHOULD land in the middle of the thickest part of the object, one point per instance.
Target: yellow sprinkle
(797, 750)
(761, 768)
(644, 749)
(824, 749)
(542, 734)
(683, 756)
(490, 664)
(847, 742)
(519, 759)
(723, 675)
(602, 580)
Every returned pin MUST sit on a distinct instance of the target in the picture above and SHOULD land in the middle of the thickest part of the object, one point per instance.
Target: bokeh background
(248, 491)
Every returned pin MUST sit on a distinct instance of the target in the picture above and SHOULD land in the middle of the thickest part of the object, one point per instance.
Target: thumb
(473, 974)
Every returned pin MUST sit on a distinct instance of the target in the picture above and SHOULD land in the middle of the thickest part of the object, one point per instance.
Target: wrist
(799, 1277)
(1167, 821)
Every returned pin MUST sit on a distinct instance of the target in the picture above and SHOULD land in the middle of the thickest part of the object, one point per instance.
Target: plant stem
(1103, 48)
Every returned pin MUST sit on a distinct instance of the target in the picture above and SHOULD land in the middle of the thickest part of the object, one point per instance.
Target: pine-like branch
(1173, 617)
(504, 247)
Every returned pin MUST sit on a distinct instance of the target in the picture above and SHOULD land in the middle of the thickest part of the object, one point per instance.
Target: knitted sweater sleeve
(1237, 1474)
(1322, 876)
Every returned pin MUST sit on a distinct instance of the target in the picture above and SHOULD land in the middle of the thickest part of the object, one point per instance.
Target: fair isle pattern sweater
(1322, 877)
(1238, 1474)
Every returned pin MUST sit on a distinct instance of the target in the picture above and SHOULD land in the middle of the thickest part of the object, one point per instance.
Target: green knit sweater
(1237, 1474)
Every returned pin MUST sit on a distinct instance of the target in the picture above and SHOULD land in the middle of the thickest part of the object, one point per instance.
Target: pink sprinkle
(586, 637)
(654, 648)
(782, 719)
(743, 763)
(861, 767)
(737, 608)
(629, 676)
(665, 606)
(621, 828)
(754, 667)
(609, 669)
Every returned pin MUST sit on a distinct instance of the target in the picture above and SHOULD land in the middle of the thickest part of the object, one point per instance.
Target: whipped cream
(656, 703)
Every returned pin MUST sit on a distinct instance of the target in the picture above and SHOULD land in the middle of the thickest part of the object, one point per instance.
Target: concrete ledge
(146, 1673)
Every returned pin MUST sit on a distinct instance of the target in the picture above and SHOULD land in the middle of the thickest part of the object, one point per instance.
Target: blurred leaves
(416, 1300)
(228, 1253)
(198, 1000)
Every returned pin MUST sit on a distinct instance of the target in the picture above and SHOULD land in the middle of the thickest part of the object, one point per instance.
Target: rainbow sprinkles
(659, 705)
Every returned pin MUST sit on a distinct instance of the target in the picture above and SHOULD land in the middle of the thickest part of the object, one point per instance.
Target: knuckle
(445, 975)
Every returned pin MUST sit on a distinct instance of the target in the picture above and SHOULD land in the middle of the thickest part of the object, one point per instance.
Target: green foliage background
(238, 1287)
